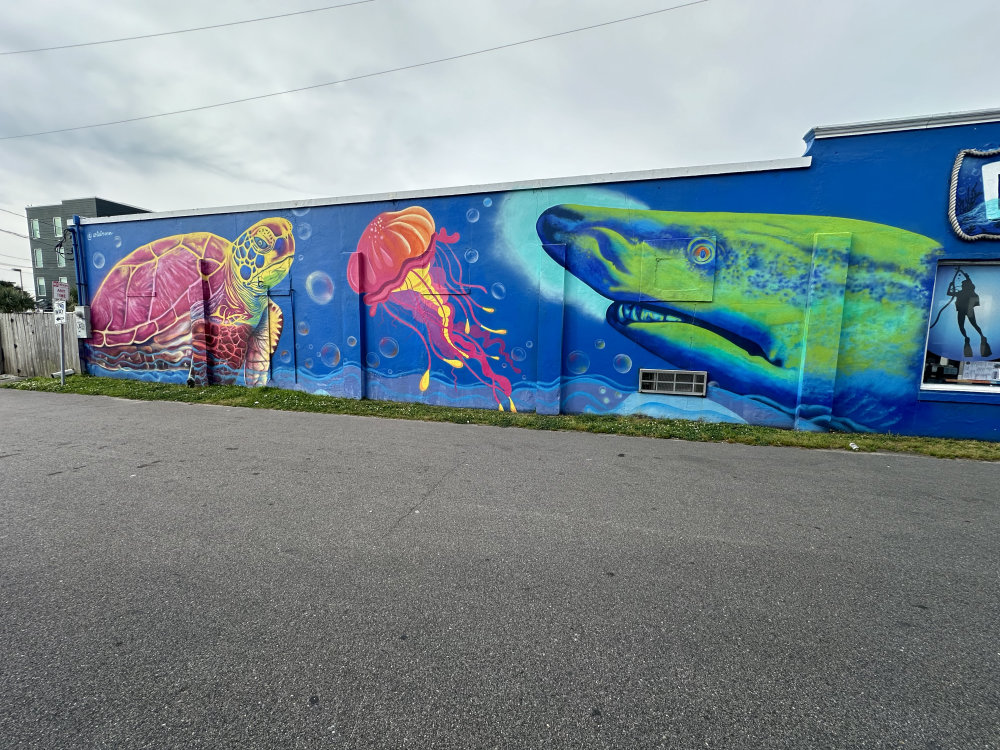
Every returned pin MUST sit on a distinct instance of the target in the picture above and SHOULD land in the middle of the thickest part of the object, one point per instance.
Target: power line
(7, 231)
(14, 213)
(184, 31)
(354, 78)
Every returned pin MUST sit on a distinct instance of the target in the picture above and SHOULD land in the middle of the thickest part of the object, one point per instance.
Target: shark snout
(556, 227)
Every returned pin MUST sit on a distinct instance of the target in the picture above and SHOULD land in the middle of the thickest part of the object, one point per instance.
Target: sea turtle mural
(195, 302)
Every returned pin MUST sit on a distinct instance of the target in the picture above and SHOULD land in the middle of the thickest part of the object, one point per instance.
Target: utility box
(81, 316)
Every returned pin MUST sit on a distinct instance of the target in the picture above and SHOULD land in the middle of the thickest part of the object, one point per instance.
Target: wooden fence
(29, 344)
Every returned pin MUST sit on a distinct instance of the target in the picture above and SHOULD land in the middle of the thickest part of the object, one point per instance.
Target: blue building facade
(855, 288)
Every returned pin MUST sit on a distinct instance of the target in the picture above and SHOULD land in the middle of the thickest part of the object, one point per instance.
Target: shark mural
(753, 298)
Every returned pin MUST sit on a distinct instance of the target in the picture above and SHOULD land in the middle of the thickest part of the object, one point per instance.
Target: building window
(41, 286)
(35, 231)
(57, 228)
(38, 257)
(61, 256)
(965, 316)
(62, 280)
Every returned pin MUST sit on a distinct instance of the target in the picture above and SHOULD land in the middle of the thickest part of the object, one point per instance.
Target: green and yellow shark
(821, 318)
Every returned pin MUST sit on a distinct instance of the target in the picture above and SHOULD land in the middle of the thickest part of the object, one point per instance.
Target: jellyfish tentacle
(426, 377)
(455, 276)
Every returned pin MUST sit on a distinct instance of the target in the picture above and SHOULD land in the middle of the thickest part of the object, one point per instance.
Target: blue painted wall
(805, 293)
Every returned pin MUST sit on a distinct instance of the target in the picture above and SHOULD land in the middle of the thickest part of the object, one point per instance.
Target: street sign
(60, 292)
(59, 308)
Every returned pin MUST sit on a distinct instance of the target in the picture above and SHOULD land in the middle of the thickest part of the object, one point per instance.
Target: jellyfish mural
(403, 265)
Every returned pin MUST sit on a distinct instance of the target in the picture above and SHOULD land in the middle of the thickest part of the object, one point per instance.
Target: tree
(14, 300)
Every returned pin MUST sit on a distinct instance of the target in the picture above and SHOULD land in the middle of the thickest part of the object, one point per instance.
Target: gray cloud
(723, 81)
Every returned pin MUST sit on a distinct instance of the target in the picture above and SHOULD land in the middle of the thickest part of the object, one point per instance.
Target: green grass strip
(607, 424)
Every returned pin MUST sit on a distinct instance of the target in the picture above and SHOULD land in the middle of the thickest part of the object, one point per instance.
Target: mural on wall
(966, 311)
(732, 296)
(555, 298)
(763, 302)
(197, 303)
(406, 268)
(974, 207)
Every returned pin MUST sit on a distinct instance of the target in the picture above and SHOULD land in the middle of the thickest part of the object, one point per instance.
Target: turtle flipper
(263, 342)
(276, 320)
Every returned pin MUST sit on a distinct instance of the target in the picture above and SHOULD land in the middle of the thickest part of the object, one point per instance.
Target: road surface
(177, 576)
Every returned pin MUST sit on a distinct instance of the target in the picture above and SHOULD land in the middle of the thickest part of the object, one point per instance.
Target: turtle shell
(152, 293)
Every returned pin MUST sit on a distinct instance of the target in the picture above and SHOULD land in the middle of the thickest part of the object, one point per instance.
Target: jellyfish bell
(405, 265)
(391, 245)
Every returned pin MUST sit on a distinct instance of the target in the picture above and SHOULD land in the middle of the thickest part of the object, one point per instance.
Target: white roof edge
(948, 119)
(652, 174)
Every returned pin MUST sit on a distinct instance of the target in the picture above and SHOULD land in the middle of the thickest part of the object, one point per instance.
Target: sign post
(60, 293)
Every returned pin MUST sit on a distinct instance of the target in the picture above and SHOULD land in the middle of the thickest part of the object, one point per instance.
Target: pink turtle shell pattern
(150, 294)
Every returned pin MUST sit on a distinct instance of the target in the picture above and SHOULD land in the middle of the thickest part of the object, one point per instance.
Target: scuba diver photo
(953, 353)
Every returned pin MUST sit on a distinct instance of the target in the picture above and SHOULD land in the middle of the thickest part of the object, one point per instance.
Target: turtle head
(263, 254)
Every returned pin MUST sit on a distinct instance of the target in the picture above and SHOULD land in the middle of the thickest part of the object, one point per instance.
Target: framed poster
(965, 314)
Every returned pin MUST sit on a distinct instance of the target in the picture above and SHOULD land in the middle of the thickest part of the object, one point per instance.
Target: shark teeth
(630, 313)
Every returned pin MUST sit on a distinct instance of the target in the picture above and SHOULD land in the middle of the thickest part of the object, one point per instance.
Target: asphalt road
(177, 576)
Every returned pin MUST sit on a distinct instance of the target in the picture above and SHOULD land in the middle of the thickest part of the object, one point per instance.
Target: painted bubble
(498, 290)
(518, 354)
(529, 344)
(622, 363)
(487, 202)
(389, 347)
(118, 241)
(319, 286)
(352, 341)
(300, 211)
(303, 231)
(602, 390)
(599, 344)
(389, 371)
(472, 215)
(98, 260)
(330, 355)
(372, 359)
(311, 347)
(577, 362)
(302, 328)
(309, 363)
(471, 255)
(285, 356)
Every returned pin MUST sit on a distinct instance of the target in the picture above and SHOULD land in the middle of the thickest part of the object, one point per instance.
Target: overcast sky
(715, 82)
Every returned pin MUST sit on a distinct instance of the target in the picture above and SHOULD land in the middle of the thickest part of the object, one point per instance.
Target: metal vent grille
(673, 382)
